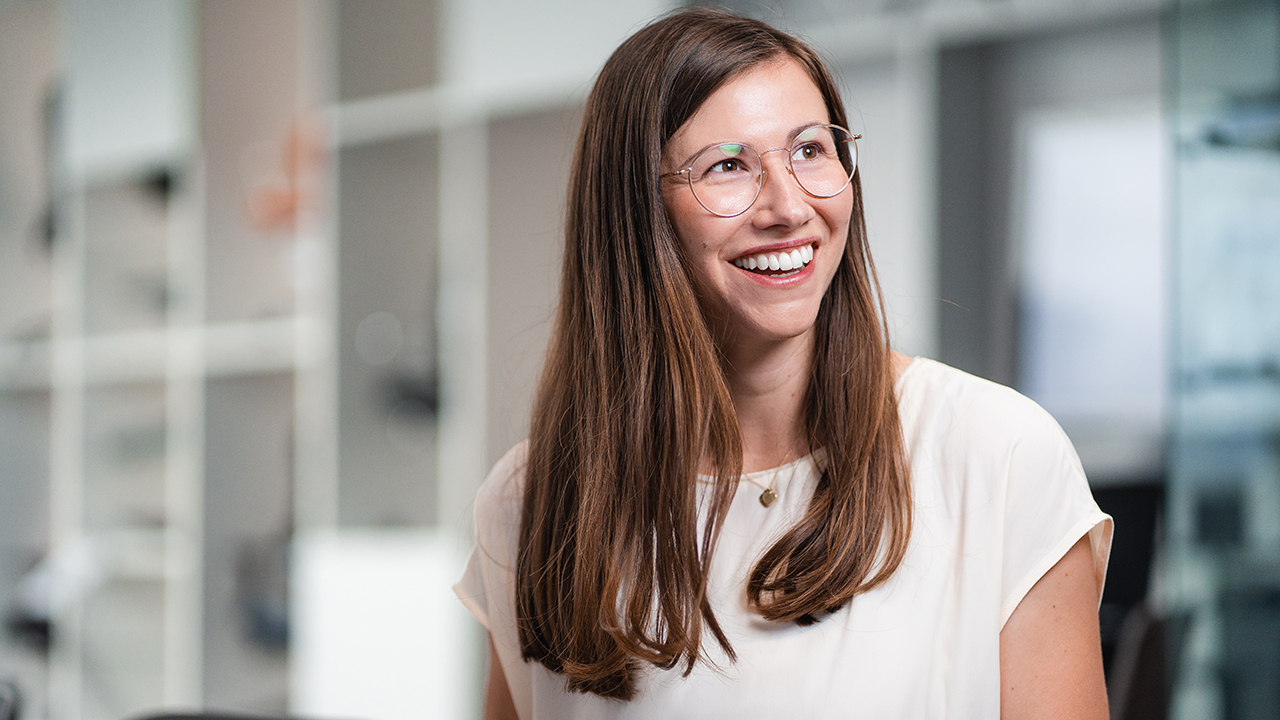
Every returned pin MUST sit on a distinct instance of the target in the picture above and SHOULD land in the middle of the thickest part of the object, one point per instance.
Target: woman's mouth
(777, 264)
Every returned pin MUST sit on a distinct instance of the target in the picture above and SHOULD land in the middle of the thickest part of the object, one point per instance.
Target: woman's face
(764, 108)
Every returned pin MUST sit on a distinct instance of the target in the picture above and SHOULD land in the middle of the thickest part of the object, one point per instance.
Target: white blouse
(999, 497)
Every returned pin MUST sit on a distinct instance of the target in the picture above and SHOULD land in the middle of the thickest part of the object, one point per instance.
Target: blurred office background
(275, 279)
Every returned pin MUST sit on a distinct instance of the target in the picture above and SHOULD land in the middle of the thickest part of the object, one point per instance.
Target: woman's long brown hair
(611, 571)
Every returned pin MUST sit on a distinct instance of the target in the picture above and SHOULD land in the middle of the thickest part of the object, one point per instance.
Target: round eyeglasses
(726, 178)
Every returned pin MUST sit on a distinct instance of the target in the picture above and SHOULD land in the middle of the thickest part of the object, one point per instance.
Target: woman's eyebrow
(795, 132)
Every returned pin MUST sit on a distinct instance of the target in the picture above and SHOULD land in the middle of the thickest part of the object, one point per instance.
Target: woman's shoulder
(501, 492)
(939, 403)
(972, 441)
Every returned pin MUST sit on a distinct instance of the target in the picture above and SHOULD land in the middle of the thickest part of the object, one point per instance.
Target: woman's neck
(768, 382)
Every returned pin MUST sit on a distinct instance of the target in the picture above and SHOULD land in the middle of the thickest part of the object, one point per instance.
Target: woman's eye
(808, 151)
(724, 162)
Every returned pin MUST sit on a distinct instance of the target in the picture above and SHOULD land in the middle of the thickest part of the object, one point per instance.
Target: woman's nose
(781, 201)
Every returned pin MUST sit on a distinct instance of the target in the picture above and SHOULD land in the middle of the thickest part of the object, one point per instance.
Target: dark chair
(1146, 662)
(10, 701)
(1136, 506)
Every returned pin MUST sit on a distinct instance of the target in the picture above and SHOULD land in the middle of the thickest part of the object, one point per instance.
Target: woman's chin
(772, 330)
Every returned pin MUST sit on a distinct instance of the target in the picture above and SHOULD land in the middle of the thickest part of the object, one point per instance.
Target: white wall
(509, 47)
(889, 101)
(130, 93)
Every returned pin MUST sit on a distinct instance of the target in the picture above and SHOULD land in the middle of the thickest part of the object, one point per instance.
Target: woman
(735, 500)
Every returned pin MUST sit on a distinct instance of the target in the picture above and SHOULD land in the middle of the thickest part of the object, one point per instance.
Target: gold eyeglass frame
(688, 172)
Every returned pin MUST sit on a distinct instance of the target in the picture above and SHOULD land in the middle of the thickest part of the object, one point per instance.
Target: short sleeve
(1048, 508)
(471, 589)
(487, 586)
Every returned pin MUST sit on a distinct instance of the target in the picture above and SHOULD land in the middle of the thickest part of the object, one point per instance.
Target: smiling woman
(736, 500)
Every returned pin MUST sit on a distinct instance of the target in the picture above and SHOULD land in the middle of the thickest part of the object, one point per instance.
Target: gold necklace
(770, 496)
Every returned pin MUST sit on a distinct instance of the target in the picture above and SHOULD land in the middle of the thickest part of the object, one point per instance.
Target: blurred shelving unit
(182, 354)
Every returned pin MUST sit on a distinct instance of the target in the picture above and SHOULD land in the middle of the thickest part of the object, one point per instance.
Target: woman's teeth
(777, 261)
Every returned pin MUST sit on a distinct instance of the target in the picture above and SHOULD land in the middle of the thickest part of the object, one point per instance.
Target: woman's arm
(498, 704)
(1050, 654)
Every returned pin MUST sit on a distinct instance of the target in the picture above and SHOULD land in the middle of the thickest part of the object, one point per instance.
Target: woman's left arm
(1050, 653)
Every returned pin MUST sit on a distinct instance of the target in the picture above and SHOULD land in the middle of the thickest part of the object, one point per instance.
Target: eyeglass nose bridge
(786, 163)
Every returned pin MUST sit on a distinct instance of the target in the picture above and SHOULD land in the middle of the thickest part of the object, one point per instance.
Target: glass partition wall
(1223, 519)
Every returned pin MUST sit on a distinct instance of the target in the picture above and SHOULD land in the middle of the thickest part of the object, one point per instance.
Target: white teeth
(778, 262)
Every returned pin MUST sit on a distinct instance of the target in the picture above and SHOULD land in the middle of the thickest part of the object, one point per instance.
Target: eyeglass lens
(727, 178)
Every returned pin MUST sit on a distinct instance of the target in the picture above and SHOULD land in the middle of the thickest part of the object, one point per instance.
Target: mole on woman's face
(765, 107)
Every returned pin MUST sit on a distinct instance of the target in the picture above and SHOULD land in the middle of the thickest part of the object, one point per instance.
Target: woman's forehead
(764, 106)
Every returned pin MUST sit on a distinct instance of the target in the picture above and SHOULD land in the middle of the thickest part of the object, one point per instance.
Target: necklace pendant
(768, 497)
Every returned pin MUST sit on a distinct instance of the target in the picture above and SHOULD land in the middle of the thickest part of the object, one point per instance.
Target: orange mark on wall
(285, 185)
